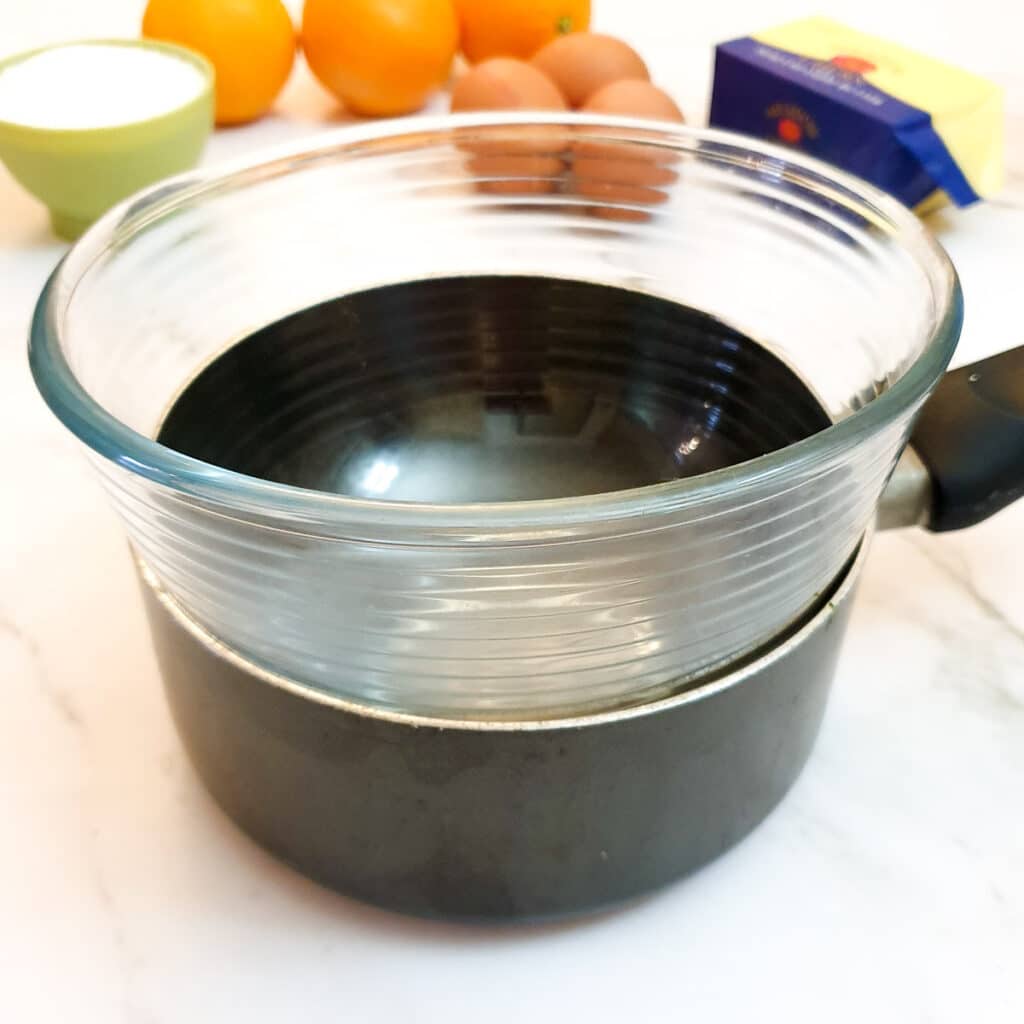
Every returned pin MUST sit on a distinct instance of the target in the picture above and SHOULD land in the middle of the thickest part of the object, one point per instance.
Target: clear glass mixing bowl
(502, 609)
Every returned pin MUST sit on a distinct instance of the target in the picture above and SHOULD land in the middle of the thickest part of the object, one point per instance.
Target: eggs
(629, 98)
(581, 63)
(503, 83)
(626, 176)
(514, 167)
(596, 74)
(635, 97)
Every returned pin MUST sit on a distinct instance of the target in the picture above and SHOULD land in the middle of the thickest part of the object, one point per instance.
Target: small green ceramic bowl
(79, 173)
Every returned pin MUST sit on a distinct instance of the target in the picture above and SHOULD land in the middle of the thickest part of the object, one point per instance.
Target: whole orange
(380, 57)
(517, 28)
(251, 44)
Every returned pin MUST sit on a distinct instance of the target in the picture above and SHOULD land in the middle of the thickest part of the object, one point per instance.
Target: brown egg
(625, 175)
(635, 97)
(630, 98)
(581, 63)
(515, 166)
(503, 83)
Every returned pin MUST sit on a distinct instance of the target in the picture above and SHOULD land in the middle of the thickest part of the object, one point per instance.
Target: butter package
(919, 129)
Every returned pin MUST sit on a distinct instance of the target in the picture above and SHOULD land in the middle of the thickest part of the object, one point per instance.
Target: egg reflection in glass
(625, 178)
(532, 166)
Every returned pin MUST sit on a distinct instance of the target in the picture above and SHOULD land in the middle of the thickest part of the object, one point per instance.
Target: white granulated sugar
(95, 86)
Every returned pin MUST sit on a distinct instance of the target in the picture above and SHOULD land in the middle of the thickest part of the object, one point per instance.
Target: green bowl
(79, 173)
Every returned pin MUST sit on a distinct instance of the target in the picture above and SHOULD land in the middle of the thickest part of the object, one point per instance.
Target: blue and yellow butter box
(920, 129)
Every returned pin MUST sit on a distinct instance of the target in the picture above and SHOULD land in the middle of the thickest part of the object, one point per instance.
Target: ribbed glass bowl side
(521, 608)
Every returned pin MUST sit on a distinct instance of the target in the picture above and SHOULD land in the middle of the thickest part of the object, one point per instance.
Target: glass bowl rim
(117, 442)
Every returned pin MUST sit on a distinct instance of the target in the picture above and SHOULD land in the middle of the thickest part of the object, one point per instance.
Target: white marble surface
(889, 886)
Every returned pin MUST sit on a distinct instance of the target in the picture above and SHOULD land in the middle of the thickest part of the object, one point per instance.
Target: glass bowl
(438, 603)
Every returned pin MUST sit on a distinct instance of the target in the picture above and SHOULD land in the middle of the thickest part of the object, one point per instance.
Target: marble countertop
(888, 886)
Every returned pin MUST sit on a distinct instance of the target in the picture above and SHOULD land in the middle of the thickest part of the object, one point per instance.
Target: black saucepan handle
(970, 436)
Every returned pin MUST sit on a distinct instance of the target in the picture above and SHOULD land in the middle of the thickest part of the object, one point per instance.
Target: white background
(888, 887)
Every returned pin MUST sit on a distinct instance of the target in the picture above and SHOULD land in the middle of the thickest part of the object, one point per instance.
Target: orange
(380, 57)
(517, 28)
(251, 44)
